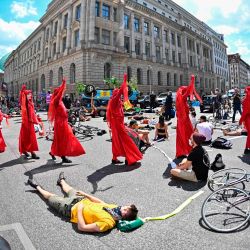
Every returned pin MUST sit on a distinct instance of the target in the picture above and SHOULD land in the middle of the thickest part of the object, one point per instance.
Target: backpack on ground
(221, 143)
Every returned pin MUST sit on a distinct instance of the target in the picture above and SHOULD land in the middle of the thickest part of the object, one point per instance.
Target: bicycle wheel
(227, 177)
(226, 209)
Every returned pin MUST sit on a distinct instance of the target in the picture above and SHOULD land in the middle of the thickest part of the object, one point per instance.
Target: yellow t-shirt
(94, 213)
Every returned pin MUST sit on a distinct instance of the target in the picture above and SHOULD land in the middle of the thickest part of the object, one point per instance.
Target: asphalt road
(26, 222)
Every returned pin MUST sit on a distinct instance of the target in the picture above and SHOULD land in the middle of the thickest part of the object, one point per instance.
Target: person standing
(168, 106)
(67, 101)
(48, 99)
(122, 144)
(236, 105)
(27, 137)
(245, 118)
(2, 142)
(64, 143)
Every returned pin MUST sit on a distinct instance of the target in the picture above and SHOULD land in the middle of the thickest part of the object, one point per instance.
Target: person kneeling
(88, 212)
(196, 166)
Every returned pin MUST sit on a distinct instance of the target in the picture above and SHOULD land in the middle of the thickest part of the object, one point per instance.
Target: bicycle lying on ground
(228, 208)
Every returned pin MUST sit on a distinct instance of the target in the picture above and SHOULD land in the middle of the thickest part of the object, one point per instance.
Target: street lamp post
(150, 78)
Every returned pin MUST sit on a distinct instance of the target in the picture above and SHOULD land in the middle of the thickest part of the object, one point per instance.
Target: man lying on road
(88, 212)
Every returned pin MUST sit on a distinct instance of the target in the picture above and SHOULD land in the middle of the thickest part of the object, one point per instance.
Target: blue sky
(231, 17)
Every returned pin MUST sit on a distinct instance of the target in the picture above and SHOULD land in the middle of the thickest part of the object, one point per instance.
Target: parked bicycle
(227, 209)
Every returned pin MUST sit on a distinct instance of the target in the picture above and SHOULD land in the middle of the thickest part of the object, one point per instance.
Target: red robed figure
(27, 136)
(122, 144)
(2, 142)
(64, 142)
(245, 117)
(184, 128)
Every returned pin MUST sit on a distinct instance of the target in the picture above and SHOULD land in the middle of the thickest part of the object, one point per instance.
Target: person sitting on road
(89, 213)
(196, 166)
(205, 128)
(161, 129)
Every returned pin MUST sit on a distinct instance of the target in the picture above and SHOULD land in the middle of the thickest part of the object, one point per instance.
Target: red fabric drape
(64, 143)
(2, 142)
(184, 128)
(27, 136)
(122, 144)
(245, 117)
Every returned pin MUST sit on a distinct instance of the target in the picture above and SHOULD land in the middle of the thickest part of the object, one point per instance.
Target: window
(97, 35)
(156, 32)
(172, 38)
(137, 47)
(146, 28)
(168, 79)
(158, 53)
(175, 79)
(46, 53)
(139, 76)
(149, 77)
(181, 80)
(166, 36)
(173, 57)
(106, 11)
(126, 22)
(64, 42)
(97, 8)
(77, 38)
(55, 28)
(114, 38)
(42, 83)
(105, 37)
(72, 73)
(127, 44)
(65, 21)
(147, 49)
(39, 45)
(47, 35)
(129, 73)
(178, 41)
(51, 78)
(136, 24)
(191, 61)
(107, 70)
(179, 58)
(167, 55)
(159, 78)
(115, 14)
(54, 49)
(78, 12)
(60, 75)
(198, 49)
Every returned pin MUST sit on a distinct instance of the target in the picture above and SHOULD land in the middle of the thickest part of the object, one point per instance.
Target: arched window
(159, 78)
(72, 73)
(129, 73)
(107, 70)
(149, 77)
(42, 83)
(51, 78)
(168, 79)
(139, 76)
(175, 79)
(60, 75)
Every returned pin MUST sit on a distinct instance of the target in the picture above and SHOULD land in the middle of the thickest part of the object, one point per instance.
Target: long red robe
(184, 128)
(64, 142)
(245, 117)
(2, 142)
(27, 136)
(122, 144)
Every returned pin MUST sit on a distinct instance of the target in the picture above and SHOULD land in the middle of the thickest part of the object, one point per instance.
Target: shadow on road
(245, 159)
(50, 165)
(99, 174)
(14, 162)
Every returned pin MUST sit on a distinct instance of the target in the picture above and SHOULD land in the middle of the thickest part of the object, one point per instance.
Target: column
(152, 42)
(184, 50)
(42, 45)
(91, 22)
(82, 21)
(49, 41)
(58, 34)
(120, 34)
(143, 39)
(196, 55)
(132, 35)
(68, 42)
(163, 45)
(170, 47)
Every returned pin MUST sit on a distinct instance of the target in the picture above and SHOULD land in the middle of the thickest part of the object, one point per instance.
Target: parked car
(162, 98)
(144, 101)
(208, 103)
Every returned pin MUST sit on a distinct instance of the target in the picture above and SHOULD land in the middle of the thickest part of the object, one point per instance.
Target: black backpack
(221, 143)
(218, 164)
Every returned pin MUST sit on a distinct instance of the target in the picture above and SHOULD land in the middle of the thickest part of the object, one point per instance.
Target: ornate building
(158, 42)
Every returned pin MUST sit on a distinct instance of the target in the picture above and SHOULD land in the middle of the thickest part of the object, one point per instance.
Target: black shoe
(246, 151)
(26, 154)
(126, 162)
(116, 162)
(34, 156)
(61, 177)
(65, 160)
(32, 183)
(52, 156)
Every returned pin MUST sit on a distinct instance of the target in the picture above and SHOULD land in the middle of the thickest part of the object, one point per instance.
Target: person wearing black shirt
(168, 106)
(196, 166)
(236, 105)
(152, 98)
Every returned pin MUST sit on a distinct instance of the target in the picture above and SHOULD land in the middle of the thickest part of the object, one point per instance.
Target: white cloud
(23, 9)
(242, 48)
(6, 49)
(226, 29)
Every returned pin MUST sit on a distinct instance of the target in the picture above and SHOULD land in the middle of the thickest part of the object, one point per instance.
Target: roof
(3, 60)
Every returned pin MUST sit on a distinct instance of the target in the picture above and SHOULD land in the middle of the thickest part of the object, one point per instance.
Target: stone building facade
(238, 72)
(158, 42)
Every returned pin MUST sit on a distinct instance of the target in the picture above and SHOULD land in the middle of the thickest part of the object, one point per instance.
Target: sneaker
(52, 156)
(116, 162)
(34, 156)
(246, 151)
(32, 183)
(61, 177)
(26, 154)
(126, 162)
(65, 160)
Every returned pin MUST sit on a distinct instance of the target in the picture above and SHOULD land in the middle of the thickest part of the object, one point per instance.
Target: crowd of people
(88, 212)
